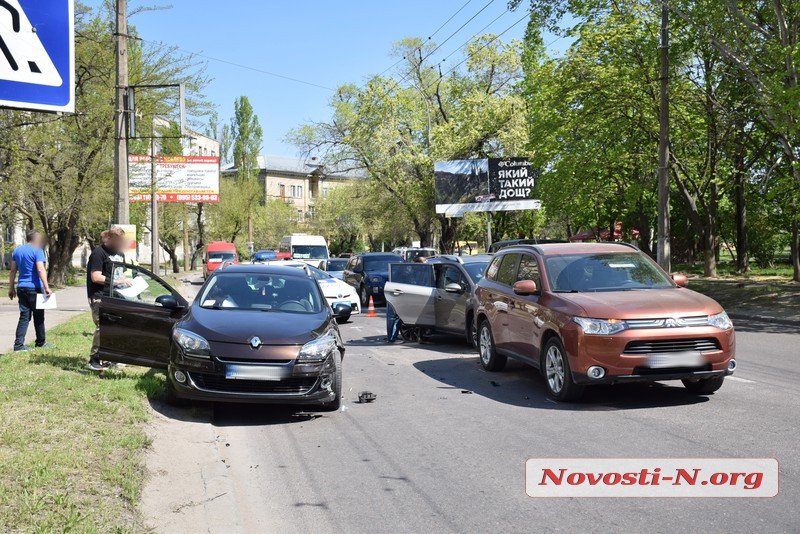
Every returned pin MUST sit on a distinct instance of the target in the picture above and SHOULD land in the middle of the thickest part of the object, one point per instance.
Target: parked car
(599, 314)
(336, 291)
(335, 267)
(219, 253)
(412, 253)
(345, 255)
(367, 273)
(499, 245)
(312, 249)
(262, 256)
(224, 347)
(437, 295)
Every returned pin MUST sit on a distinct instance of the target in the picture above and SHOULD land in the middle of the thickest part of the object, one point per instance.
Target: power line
(473, 36)
(481, 10)
(448, 20)
(484, 45)
(239, 65)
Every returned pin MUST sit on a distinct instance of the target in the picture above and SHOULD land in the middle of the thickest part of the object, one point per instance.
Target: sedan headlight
(318, 349)
(602, 327)
(721, 321)
(191, 343)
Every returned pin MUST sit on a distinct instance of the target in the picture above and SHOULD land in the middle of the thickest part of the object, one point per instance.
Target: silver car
(436, 296)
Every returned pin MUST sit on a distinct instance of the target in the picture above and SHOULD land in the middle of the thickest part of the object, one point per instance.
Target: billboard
(494, 184)
(178, 178)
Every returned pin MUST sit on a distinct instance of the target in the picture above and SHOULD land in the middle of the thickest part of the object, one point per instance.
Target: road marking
(738, 379)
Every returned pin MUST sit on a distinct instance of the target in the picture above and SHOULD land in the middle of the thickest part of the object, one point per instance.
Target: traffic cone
(371, 308)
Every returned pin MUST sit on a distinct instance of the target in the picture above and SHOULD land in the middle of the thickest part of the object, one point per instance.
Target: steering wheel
(296, 303)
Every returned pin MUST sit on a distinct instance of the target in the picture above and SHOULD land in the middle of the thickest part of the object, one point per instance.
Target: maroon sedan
(254, 333)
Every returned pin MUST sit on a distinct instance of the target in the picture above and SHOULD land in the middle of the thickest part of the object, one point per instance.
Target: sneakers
(23, 348)
(46, 346)
(97, 365)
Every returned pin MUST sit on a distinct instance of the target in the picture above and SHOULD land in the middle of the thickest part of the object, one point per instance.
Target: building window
(324, 191)
(282, 190)
(299, 215)
(299, 191)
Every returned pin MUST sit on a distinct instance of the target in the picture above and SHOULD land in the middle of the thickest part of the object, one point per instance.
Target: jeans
(392, 324)
(27, 308)
(94, 354)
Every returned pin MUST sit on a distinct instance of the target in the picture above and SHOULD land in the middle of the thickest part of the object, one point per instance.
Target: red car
(599, 313)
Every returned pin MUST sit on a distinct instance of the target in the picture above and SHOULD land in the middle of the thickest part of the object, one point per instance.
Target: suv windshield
(603, 272)
(265, 292)
(309, 252)
(381, 263)
(336, 265)
(475, 269)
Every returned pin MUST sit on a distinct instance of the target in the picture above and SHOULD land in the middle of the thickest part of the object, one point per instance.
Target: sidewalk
(775, 302)
(71, 302)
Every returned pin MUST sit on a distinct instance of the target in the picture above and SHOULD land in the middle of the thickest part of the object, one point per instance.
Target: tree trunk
(663, 248)
(201, 235)
(795, 246)
(710, 234)
(449, 229)
(63, 243)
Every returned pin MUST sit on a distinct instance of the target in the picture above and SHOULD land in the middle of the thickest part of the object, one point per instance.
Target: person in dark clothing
(98, 270)
(28, 261)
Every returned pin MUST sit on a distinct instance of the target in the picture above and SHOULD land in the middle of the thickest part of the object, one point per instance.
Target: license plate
(675, 359)
(256, 372)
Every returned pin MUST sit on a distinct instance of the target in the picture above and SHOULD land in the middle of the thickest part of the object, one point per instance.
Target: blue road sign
(37, 54)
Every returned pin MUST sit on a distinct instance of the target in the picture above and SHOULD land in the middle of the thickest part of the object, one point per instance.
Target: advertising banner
(494, 184)
(178, 178)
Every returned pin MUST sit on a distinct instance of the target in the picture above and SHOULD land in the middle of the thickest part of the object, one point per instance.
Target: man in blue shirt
(28, 260)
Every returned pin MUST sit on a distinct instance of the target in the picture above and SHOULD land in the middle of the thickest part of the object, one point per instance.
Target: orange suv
(599, 313)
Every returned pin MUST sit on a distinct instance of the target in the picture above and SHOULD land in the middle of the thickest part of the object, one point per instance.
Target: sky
(323, 42)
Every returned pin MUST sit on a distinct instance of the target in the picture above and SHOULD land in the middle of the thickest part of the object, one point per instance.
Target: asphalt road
(428, 456)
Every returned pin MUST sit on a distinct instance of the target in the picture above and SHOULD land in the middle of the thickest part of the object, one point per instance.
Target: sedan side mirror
(680, 279)
(453, 287)
(168, 301)
(342, 311)
(525, 287)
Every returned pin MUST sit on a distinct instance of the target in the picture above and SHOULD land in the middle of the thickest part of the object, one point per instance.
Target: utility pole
(663, 248)
(121, 205)
(186, 238)
(154, 244)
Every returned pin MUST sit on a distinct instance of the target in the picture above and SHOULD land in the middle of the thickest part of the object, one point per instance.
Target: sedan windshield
(603, 272)
(319, 274)
(265, 292)
(381, 263)
(475, 270)
(309, 252)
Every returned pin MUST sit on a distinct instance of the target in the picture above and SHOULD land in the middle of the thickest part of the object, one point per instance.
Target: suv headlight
(721, 321)
(191, 343)
(600, 326)
(318, 349)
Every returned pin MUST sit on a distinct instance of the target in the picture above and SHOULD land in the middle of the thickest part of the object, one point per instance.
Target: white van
(312, 249)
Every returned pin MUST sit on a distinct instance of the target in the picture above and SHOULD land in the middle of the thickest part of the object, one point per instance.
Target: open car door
(411, 292)
(137, 312)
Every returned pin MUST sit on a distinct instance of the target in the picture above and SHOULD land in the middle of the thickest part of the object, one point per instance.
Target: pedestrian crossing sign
(37, 55)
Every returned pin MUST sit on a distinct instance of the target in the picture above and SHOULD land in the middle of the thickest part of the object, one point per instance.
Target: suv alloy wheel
(557, 374)
(490, 360)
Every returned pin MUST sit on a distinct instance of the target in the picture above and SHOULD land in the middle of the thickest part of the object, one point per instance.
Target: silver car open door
(411, 292)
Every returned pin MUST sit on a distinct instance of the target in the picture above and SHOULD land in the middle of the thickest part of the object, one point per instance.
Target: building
(298, 181)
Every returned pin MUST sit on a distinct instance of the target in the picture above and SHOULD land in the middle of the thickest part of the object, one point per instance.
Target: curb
(745, 317)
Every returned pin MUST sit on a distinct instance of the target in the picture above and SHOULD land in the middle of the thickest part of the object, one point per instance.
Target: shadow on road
(521, 385)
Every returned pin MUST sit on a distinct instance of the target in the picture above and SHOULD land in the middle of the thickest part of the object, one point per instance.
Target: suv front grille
(672, 345)
(295, 385)
(700, 320)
